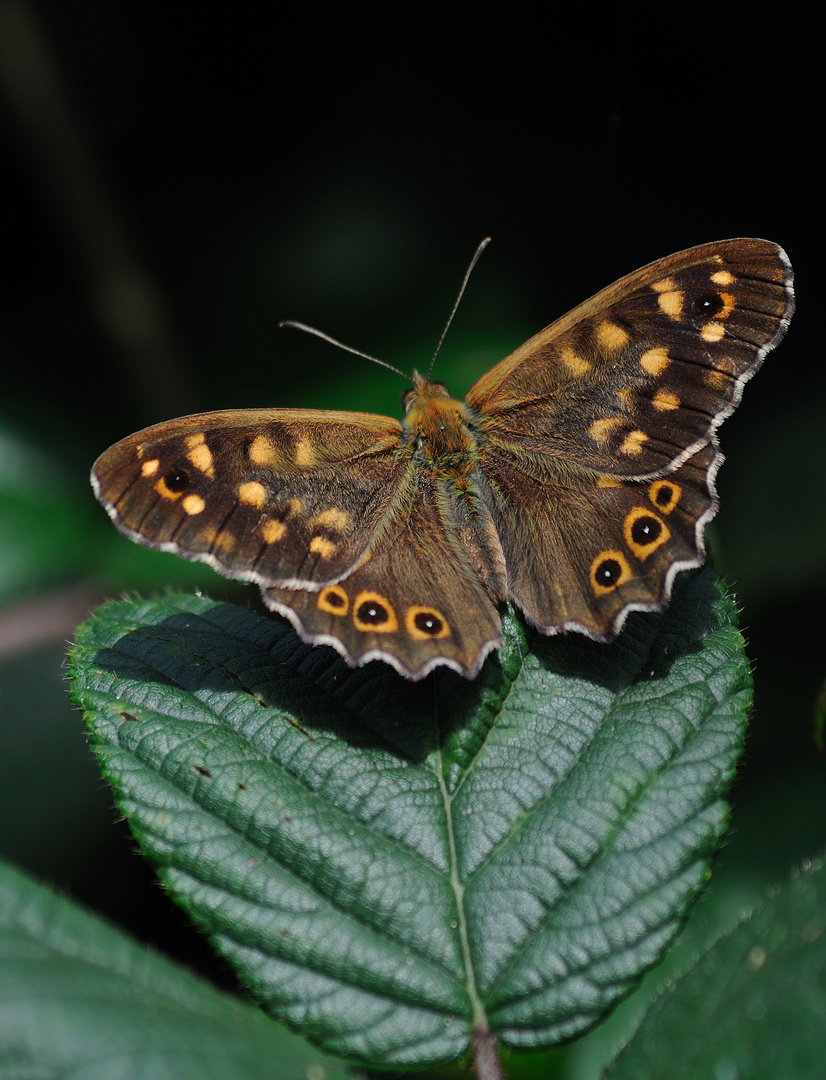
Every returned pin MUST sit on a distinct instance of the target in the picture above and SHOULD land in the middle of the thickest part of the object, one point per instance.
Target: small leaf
(79, 999)
(391, 864)
(754, 1007)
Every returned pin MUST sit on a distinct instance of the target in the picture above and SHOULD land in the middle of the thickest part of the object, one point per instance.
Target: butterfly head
(436, 421)
(421, 392)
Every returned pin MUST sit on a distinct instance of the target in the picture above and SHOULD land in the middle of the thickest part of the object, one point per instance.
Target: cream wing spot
(611, 337)
(252, 493)
(633, 442)
(654, 361)
(206, 536)
(601, 430)
(671, 304)
(272, 531)
(663, 401)
(149, 468)
(576, 364)
(193, 504)
(716, 379)
(670, 298)
(723, 277)
(320, 545)
(200, 456)
(225, 542)
(305, 455)
(334, 518)
(262, 451)
(712, 332)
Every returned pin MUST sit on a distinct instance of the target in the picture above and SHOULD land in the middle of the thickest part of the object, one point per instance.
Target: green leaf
(754, 1007)
(390, 865)
(79, 998)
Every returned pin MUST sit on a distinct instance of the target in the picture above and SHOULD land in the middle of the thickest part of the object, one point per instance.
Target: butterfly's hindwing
(418, 601)
(614, 545)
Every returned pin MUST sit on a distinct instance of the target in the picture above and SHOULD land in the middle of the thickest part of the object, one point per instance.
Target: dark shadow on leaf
(226, 648)
(649, 643)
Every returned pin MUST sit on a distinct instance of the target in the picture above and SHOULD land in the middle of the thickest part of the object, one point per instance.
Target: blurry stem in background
(42, 620)
(126, 303)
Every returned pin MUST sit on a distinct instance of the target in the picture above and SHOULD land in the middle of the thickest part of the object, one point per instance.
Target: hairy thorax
(438, 431)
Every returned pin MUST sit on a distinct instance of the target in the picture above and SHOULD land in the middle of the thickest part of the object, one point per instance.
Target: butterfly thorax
(441, 439)
(436, 426)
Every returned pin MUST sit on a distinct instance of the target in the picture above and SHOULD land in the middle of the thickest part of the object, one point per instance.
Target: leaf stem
(486, 1061)
(487, 1065)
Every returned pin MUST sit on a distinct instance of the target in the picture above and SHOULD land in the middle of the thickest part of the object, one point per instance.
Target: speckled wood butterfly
(575, 479)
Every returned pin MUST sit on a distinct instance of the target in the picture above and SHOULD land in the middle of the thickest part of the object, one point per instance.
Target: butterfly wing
(286, 497)
(323, 511)
(598, 445)
(592, 548)
(417, 602)
(577, 480)
(637, 378)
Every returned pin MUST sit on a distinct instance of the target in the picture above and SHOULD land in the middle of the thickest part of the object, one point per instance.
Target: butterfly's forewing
(637, 378)
(280, 497)
(599, 448)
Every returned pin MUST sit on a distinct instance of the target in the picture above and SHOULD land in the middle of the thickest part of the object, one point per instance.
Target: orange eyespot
(172, 484)
(665, 495)
(334, 600)
(374, 612)
(609, 570)
(424, 622)
(644, 532)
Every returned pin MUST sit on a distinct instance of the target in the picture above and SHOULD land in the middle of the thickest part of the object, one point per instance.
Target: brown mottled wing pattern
(287, 497)
(637, 378)
(417, 602)
(576, 479)
(598, 443)
(592, 550)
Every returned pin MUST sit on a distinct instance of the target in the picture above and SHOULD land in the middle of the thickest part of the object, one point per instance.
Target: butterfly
(575, 480)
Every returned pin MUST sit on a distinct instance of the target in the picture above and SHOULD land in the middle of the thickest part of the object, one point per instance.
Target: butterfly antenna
(465, 280)
(341, 345)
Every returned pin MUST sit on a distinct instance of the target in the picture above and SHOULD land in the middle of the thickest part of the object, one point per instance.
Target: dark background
(177, 180)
